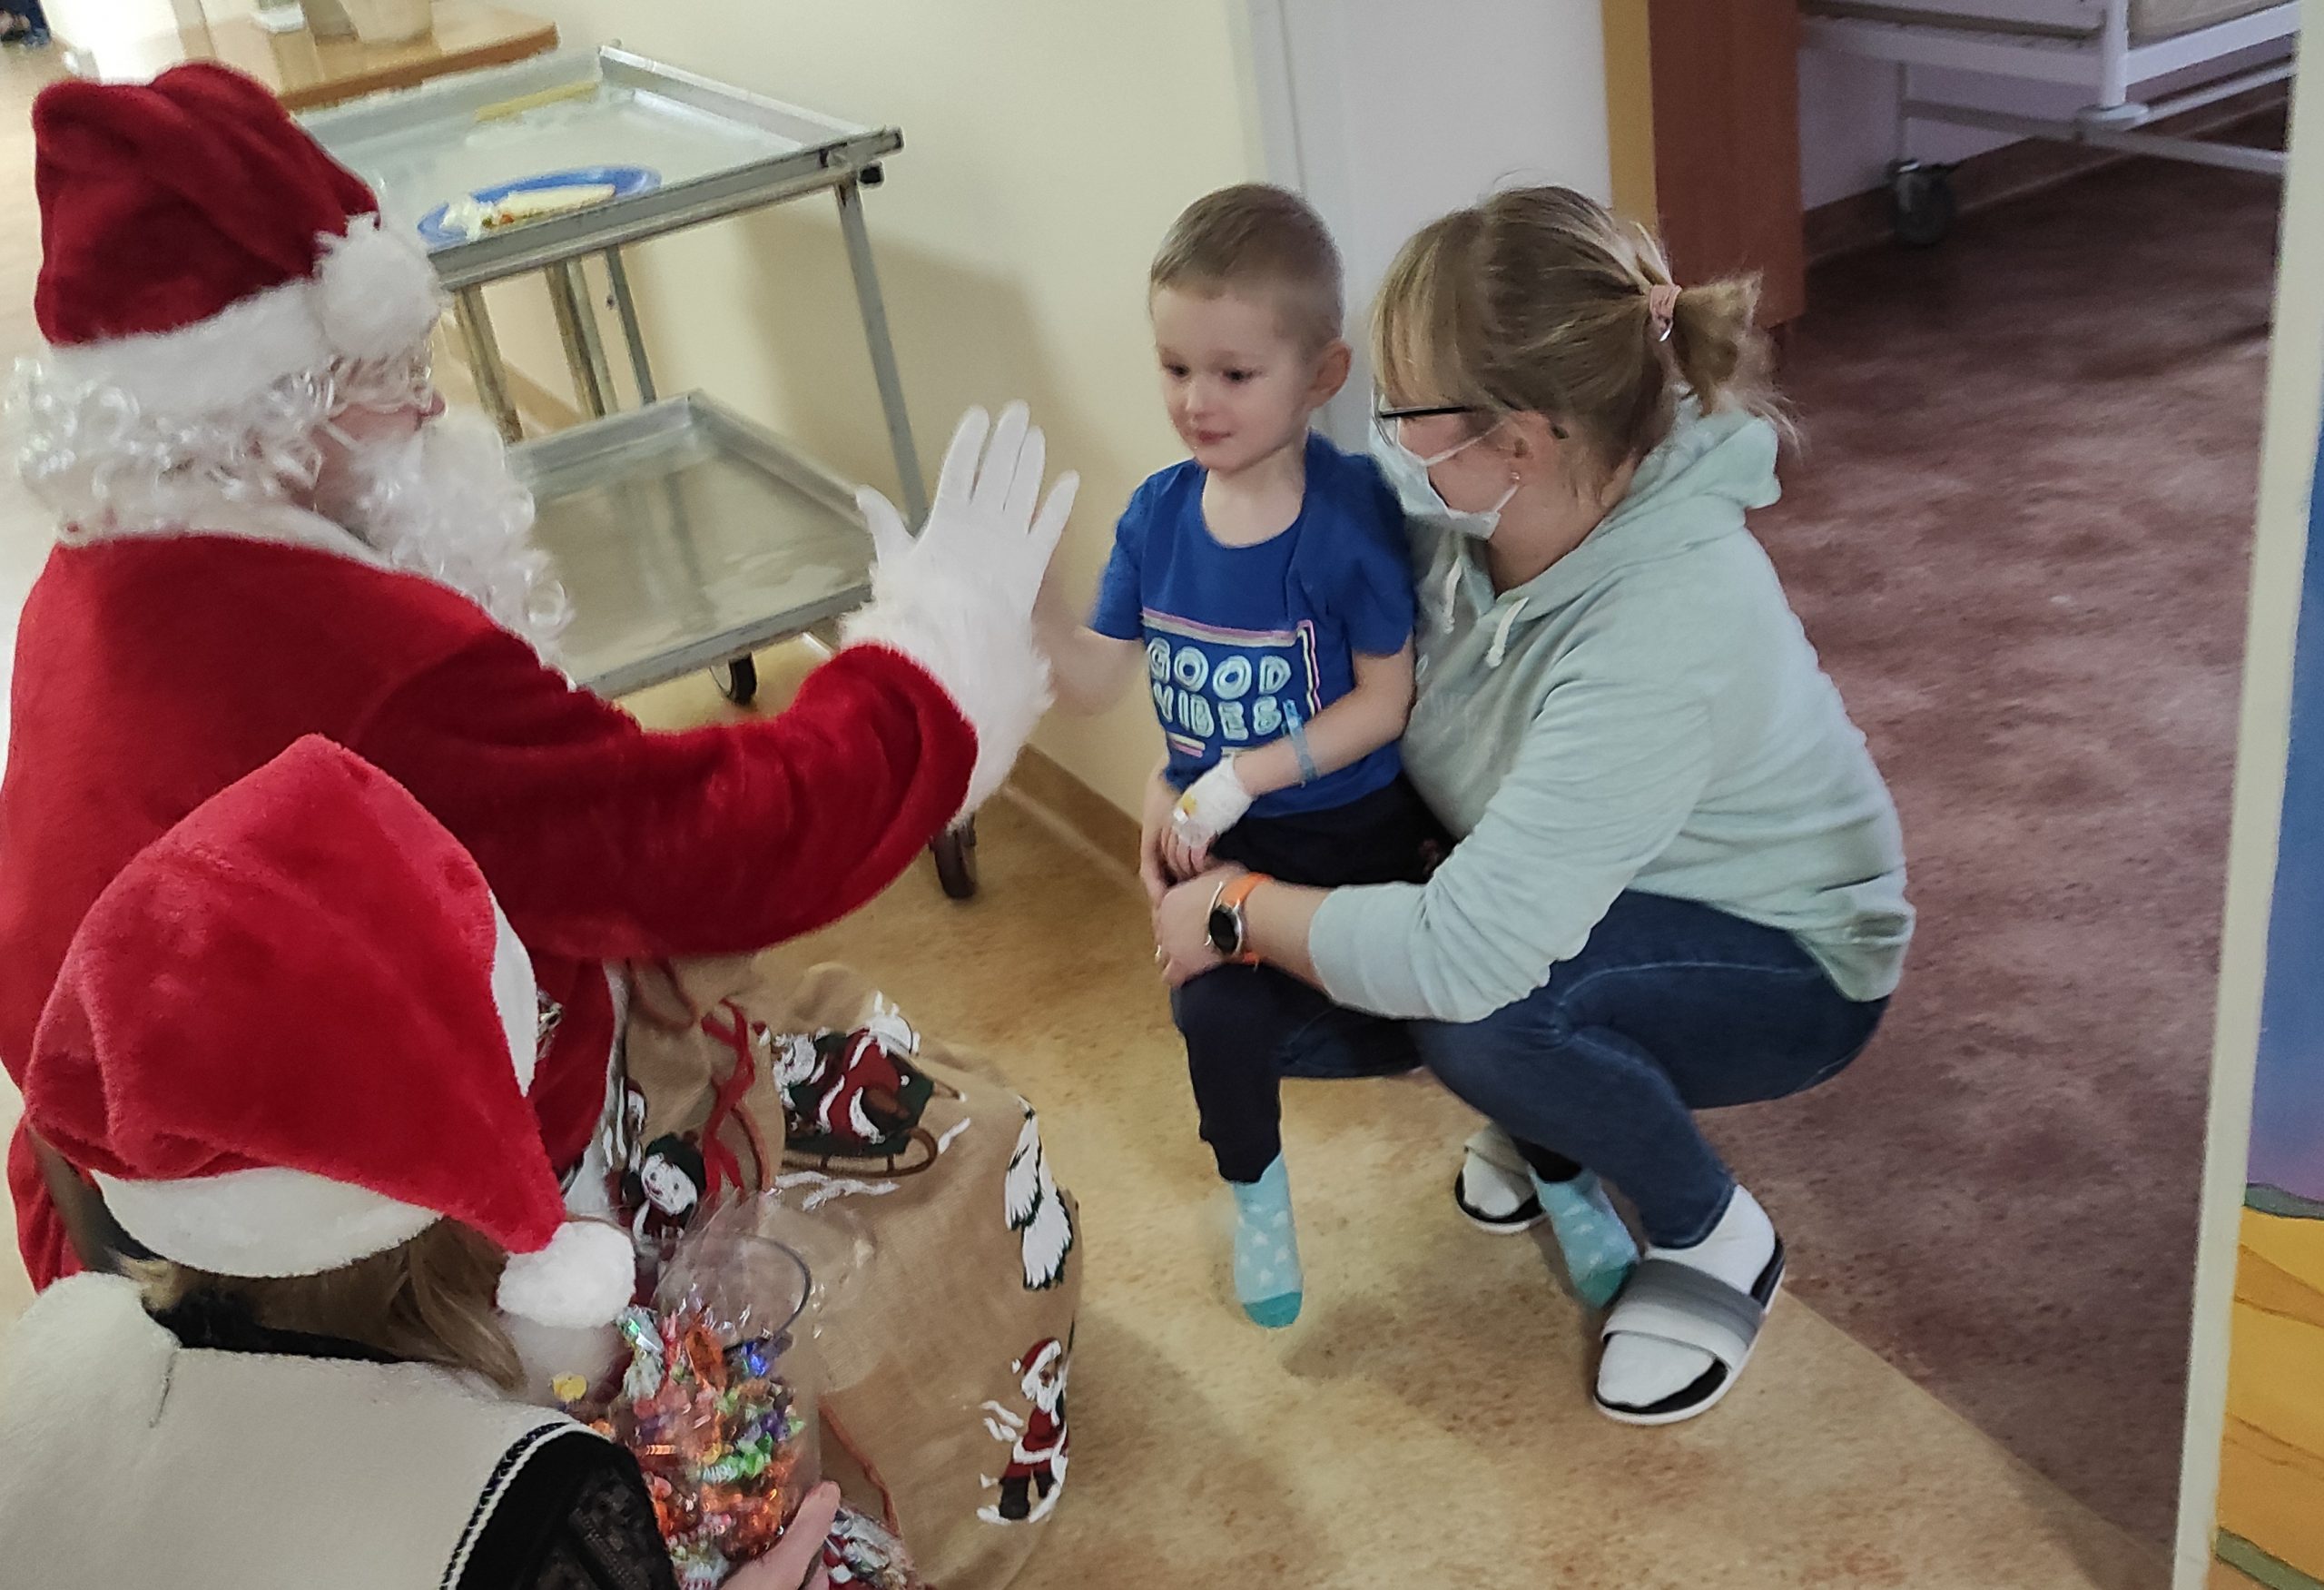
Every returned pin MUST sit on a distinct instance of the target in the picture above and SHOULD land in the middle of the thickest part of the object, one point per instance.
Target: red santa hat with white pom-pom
(296, 1031)
(198, 246)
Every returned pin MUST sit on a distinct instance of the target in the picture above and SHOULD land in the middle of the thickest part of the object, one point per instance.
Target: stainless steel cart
(717, 152)
(701, 536)
(687, 539)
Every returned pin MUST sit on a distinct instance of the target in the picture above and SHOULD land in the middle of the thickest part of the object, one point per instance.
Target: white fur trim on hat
(268, 1221)
(585, 1277)
(373, 296)
(516, 997)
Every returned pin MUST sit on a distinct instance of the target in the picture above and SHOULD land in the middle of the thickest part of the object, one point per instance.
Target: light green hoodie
(1647, 714)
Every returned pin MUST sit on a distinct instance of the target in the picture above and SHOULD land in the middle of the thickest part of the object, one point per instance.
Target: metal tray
(718, 150)
(687, 536)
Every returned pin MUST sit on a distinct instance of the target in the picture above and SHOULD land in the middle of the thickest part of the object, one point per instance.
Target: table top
(709, 150)
(305, 71)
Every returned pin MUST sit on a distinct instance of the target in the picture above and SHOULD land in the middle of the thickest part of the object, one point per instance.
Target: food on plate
(474, 217)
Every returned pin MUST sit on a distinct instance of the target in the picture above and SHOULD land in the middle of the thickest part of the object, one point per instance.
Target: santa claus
(847, 1092)
(269, 527)
(1041, 1440)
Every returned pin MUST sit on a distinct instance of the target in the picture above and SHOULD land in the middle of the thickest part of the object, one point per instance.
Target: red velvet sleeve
(606, 842)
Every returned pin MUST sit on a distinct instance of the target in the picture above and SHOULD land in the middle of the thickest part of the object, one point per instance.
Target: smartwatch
(1229, 932)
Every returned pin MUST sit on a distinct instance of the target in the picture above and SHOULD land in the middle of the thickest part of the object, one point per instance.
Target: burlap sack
(914, 1179)
(695, 1116)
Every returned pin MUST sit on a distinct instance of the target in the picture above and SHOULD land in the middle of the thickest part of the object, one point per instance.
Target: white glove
(958, 599)
(1212, 805)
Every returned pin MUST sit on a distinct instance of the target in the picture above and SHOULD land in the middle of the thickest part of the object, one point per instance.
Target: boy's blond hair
(1255, 238)
(1542, 301)
(428, 1301)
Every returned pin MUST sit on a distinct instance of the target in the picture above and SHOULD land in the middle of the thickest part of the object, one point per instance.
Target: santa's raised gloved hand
(1212, 805)
(958, 599)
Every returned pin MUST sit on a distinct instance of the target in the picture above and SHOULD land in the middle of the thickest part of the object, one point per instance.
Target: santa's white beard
(444, 503)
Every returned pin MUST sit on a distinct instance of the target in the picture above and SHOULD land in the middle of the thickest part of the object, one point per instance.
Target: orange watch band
(1241, 888)
(1230, 898)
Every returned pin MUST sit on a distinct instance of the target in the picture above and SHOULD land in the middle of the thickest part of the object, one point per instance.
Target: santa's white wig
(110, 464)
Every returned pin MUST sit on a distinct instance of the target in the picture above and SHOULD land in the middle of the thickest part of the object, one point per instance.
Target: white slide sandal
(1675, 1302)
(1493, 1192)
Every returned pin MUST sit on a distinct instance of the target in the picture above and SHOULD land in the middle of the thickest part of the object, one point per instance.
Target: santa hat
(197, 246)
(296, 1031)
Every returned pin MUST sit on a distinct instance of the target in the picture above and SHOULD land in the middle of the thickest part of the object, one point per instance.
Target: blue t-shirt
(1242, 642)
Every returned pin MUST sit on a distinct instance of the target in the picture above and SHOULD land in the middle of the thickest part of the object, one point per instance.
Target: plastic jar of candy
(718, 1403)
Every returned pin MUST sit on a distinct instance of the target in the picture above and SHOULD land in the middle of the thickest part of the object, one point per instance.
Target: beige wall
(1048, 144)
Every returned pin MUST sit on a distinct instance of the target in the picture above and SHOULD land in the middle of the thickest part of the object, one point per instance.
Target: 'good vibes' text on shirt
(1237, 688)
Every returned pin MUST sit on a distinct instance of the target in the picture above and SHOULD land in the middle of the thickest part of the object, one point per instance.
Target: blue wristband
(1307, 770)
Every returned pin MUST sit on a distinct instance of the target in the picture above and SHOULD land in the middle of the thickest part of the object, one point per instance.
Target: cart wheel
(1921, 202)
(738, 681)
(956, 862)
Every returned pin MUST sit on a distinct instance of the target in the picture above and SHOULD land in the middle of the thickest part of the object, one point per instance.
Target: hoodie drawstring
(1500, 647)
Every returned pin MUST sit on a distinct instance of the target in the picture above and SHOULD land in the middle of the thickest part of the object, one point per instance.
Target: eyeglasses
(1387, 418)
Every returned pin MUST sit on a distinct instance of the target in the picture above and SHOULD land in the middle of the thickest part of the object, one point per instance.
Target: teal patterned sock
(1599, 1250)
(1267, 1249)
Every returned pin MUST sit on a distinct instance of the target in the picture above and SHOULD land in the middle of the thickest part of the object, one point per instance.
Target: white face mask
(1407, 471)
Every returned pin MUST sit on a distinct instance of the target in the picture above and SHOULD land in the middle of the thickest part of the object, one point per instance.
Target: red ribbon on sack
(719, 1161)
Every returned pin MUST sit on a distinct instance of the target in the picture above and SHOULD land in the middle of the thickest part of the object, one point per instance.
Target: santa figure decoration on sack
(855, 1095)
(1039, 1442)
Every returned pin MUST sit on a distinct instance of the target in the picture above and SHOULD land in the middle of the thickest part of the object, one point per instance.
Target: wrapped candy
(862, 1551)
(717, 1404)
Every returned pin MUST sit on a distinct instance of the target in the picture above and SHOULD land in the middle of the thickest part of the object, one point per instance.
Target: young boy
(1264, 583)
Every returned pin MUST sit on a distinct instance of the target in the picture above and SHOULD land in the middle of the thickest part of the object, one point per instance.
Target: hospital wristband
(1308, 773)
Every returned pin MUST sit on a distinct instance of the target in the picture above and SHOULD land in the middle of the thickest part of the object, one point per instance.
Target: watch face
(1226, 932)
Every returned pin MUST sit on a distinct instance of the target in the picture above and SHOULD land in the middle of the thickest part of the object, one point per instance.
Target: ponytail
(1541, 300)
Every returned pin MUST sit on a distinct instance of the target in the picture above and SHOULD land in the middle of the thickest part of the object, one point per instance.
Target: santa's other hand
(959, 598)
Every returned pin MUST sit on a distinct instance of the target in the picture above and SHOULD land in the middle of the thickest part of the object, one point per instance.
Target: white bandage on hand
(1212, 805)
(958, 599)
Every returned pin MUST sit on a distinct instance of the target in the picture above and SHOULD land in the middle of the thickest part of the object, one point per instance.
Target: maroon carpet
(2020, 535)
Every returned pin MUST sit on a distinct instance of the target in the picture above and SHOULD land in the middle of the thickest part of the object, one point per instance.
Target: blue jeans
(1248, 1027)
(1671, 1007)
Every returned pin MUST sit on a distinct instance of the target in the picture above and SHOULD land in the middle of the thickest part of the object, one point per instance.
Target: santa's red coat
(154, 671)
(865, 1066)
(1038, 1449)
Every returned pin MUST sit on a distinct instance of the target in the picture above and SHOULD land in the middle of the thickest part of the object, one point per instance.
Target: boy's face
(1237, 385)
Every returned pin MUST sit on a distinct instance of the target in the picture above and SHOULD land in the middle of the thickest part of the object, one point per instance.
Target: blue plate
(627, 181)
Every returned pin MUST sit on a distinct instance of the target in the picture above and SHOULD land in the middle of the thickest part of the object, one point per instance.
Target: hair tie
(1662, 303)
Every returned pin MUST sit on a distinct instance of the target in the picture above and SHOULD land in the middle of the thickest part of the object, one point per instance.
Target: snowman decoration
(671, 1178)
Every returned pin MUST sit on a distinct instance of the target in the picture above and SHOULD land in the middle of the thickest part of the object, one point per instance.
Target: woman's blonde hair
(1540, 299)
(429, 1301)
